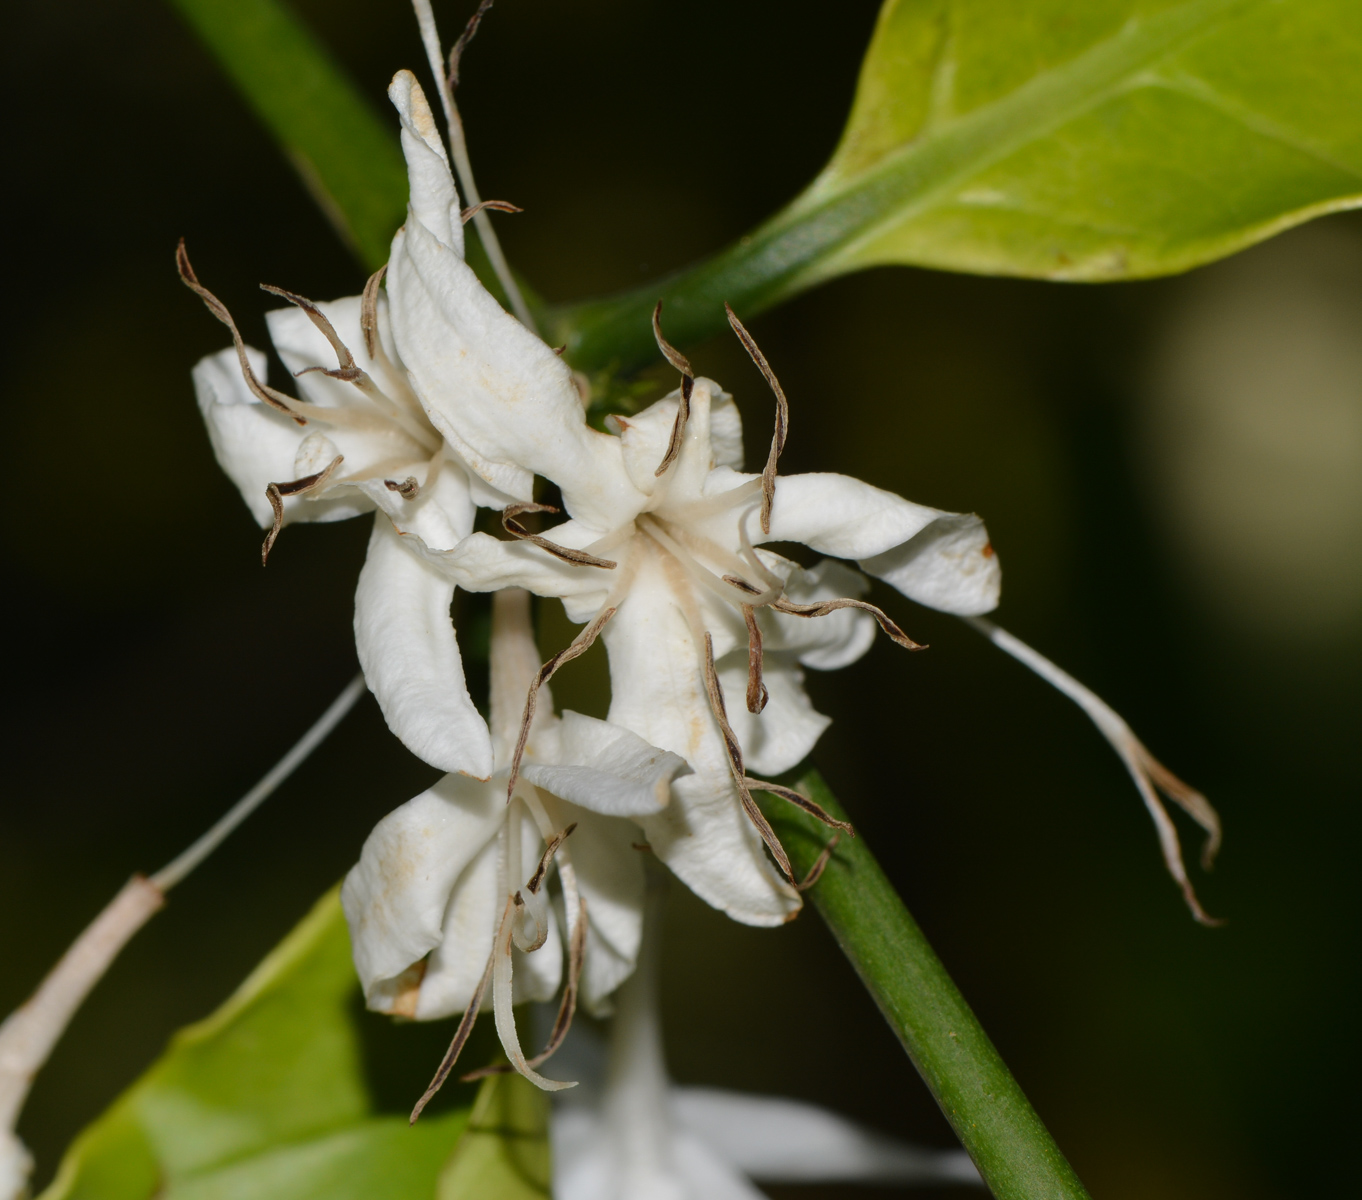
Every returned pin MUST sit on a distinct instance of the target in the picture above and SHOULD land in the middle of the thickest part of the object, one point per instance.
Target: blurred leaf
(265, 1099)
(1113, 139)
(347, 155)
(505, 1151)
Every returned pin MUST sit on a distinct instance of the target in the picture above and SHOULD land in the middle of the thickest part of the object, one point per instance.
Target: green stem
(986, 1107)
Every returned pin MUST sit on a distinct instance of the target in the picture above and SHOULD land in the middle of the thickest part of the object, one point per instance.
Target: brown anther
(578, 557)
(819, 863)
(641, 847)
(799, 800)
(735, 764)
(757, 695)
(768, 475)
(347, 370)
(567, 1007)
(537, 879)
(579, 646)
(408, 489)
(495, 205)
(469, 31)
(276, 492)
(821, 608)
(368, 311)
(261, 391)
(682, 364)
(461, 1035)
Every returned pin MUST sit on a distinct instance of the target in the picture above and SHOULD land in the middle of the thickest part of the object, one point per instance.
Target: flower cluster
(422, 400)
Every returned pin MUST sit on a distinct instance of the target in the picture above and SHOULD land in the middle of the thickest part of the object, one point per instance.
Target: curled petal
(433, 198)
(411, 661)
(940, 559)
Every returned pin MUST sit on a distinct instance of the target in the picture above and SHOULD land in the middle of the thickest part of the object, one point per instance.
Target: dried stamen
(567, 1007)
(768, 475)
(819, 863)
(349, 371)
(579, 557)
(482, 205)
(368, 311)
(801, 801)
(757, 695)
(735, 764)
(821, 608)
(1149, 775)
(682, 364)
(408, 489)
(262, 392)
(579, 646)
(469, 32)
(461, 1034)
(502, 997)
(276, 492)
(537, 879)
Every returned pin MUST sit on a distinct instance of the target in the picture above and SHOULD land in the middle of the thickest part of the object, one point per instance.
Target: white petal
(257, 445)
(433, 198)
(776, 1140)
(824, 643)
(500, 395)
(16, 1165)
(658, 691)
(537, 974)
(469, 925)
(725, 427)
(442, 512)
(606, 768)
(410, 658)
(396, 896)
(936, 558)
(610, 876)
(781, 735)
(481, 563)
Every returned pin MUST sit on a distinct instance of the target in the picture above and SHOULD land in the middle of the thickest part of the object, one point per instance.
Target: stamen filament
(682, 364)
(801, 801)
(821, 608)
(276, 492)
(368, 315)
(1144, 769)
(757, 695)
(819, 863)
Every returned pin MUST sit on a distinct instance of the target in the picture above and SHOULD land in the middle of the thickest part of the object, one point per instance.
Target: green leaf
(988, 1110)
(264, 1100)
(1112, 139)
(505, 1151)
(347, 155)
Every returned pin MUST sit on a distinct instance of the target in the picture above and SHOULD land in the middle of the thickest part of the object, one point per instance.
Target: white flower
(16, 1166)
(356, 440)
(450, 892)
(629, 1134)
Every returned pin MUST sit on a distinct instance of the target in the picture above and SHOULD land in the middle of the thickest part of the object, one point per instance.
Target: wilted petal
(775, 1140)
(940, 559)
(658, 691)
(481, 563)
(257, 445)
(433, 198)
(396, 897)
(502, 397)
(824, 643)
(785, 731)
(605, 768)
(467, 931)
(411, 661)
(610, 876)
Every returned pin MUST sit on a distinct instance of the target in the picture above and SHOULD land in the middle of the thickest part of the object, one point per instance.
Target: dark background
(154, 670)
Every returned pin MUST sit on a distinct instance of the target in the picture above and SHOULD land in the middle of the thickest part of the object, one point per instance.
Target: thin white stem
(29, 1034)
(175, 870)
(458, 145)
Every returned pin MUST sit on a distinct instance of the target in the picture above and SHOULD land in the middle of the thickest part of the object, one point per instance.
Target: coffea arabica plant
(531, 870)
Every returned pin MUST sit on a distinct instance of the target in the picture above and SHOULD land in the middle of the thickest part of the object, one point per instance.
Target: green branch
(986, 1107)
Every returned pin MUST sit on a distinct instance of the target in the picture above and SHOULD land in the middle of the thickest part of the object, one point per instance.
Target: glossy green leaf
(1109, 139)
(264, 1100)
(346, 153)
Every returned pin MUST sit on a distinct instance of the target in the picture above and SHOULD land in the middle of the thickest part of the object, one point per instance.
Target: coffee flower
(707, 635)
(356, 440)
(450, 896)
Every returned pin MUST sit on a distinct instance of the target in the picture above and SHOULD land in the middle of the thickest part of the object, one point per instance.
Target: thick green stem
(992, 1117)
